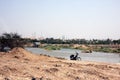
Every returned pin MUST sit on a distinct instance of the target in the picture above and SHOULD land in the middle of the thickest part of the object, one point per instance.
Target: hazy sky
(99, 19)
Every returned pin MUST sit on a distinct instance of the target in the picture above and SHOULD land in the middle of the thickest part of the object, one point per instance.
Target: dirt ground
(20, 64)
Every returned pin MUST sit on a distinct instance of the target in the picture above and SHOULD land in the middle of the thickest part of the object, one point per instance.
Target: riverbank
(20, 64)
(85, 48)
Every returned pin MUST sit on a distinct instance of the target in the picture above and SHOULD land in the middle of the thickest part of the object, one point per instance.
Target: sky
(72, 19)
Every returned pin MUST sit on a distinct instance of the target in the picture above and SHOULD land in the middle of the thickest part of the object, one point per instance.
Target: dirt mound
(22, 53)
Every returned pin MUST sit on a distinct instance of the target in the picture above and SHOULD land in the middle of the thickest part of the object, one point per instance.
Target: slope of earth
(20, 64)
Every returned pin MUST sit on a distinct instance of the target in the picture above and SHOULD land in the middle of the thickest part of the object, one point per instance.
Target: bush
(10, 40)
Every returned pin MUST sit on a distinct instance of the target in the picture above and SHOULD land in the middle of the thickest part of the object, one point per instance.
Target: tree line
(12, 40)
(79, 41)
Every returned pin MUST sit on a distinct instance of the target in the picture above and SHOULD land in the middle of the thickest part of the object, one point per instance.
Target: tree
(10, 40)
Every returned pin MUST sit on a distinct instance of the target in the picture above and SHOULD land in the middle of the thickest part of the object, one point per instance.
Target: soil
(20, 64)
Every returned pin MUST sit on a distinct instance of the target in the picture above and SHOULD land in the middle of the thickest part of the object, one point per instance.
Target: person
(74, 57)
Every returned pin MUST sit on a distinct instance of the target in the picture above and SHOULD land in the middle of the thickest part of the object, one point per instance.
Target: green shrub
(50, 47)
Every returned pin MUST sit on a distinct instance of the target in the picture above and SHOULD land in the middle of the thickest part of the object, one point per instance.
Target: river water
(65, 53)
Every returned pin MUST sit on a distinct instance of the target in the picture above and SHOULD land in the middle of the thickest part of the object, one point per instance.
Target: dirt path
(20, 64)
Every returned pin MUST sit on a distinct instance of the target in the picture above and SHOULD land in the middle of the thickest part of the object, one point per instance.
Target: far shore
(85, 48)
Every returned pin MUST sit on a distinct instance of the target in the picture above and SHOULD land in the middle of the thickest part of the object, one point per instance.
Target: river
(65, 53)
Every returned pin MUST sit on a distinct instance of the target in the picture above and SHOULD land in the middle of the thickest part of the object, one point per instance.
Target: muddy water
(65, 53)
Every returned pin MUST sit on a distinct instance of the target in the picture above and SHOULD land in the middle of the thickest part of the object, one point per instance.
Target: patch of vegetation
(116, 50)
(107, 50)
(10, 40)
(51, 47)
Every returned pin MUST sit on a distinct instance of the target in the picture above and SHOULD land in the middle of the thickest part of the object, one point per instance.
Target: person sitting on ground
(74, 57)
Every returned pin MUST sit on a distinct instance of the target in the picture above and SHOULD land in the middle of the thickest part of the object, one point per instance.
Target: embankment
(20, 64)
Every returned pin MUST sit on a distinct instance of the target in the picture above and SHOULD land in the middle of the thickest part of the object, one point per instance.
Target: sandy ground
(20, 64)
